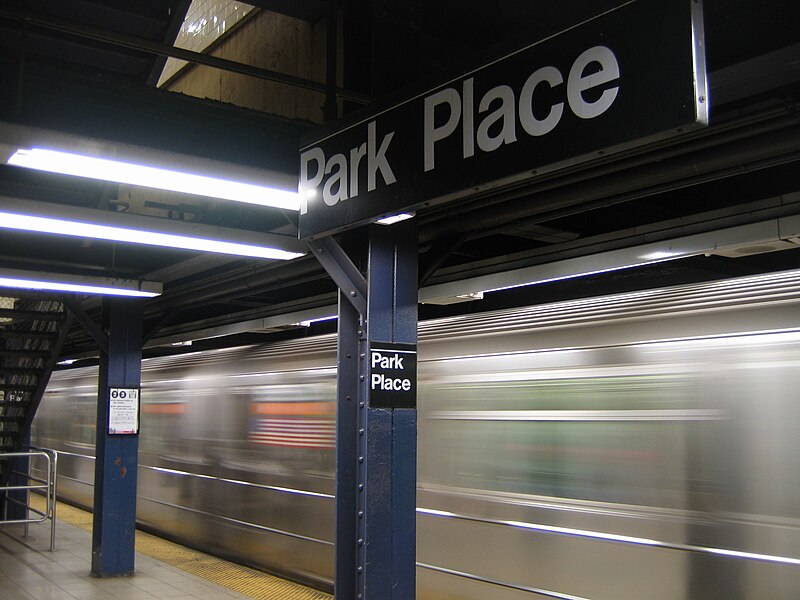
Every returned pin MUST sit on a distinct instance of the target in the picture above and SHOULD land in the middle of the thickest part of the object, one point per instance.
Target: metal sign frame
(594, 89)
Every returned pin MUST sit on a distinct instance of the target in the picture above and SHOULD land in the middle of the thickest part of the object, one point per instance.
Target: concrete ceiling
(62, 70)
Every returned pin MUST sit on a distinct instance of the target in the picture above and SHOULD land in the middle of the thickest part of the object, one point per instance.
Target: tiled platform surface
(28, 571)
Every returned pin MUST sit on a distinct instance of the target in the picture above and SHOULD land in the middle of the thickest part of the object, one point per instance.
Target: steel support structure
(114, 521)
(388, 470)
(376, 448)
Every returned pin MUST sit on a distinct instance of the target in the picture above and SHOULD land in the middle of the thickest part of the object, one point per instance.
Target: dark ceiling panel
(72, 32)
(68, 82)
(142, 18)
(307, 10)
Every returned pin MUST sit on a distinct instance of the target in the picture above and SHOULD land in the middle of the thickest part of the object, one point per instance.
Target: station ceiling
(87, 68)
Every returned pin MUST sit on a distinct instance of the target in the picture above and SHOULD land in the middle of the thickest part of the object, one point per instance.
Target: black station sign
(392, 375)
(628, 76)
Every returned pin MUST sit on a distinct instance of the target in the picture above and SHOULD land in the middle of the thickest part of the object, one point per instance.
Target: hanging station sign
(626, 77)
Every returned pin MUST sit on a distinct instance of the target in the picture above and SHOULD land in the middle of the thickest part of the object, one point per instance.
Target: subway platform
(164, 570)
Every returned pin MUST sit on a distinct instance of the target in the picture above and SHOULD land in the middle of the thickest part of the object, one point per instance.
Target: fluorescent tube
(391, 220)
(80, 165)
(76, 228)
(59, 282)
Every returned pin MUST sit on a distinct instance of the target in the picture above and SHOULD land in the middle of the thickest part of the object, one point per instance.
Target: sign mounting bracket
(342, 270)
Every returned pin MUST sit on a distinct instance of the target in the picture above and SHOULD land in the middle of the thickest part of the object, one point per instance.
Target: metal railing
(45, 486)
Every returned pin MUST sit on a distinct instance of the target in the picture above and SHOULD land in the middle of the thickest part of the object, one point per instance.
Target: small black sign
(392, 372)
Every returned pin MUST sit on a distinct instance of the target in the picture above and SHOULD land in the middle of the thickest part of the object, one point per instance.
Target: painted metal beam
(386, 565)
(92, 328)
(376, 446)
(342, 270)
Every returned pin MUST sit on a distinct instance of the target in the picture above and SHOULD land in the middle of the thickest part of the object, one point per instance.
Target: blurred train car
(644, 445)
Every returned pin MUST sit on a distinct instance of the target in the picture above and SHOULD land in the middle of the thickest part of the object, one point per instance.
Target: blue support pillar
(114, 523)
(386, 563)
(376, 424)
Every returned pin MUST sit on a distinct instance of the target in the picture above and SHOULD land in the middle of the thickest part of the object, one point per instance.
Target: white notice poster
(123, 411)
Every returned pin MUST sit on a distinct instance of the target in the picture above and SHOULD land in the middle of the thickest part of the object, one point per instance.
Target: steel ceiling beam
(144, 45)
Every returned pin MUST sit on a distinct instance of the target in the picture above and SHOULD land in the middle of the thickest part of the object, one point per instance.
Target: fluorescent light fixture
(138, 229)
(253, 325)
(67, 362)
(81, 165)
(578, 274)
(135, 236)
(317, 320)
(661, 255)
(61, 286)
(469, 297)
(395, 219)
(60, 282)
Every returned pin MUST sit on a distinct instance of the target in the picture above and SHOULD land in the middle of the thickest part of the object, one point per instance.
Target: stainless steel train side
(644, 445)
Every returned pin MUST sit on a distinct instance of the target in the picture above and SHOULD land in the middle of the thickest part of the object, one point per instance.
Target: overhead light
(82, 165)
(469, 297)
(782, 228)
(661, 255)
(150, 238)
(272, 323)
(137, 229)
(60, 282)
(577, 274)
(570, 268)
(395, 219)
(317, 320)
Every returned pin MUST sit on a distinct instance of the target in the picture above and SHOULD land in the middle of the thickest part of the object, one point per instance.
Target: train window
(292, 428)
(82, 426)
(160, 418)
(611, 439)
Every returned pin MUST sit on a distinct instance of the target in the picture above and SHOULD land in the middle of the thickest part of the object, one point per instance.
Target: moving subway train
(643, 445)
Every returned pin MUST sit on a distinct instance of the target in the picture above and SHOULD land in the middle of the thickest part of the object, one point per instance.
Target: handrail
(48, 485)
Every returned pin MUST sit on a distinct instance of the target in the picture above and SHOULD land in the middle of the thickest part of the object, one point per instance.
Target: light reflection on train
(635, 446)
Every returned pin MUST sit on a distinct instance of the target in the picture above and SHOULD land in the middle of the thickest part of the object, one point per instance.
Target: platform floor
(164, 571)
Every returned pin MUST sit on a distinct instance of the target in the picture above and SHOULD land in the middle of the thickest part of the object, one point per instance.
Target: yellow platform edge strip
(247, 581)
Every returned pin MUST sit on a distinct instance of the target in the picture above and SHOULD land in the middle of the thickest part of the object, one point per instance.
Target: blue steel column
(388, 451)
(114, 522)
(347, 428)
